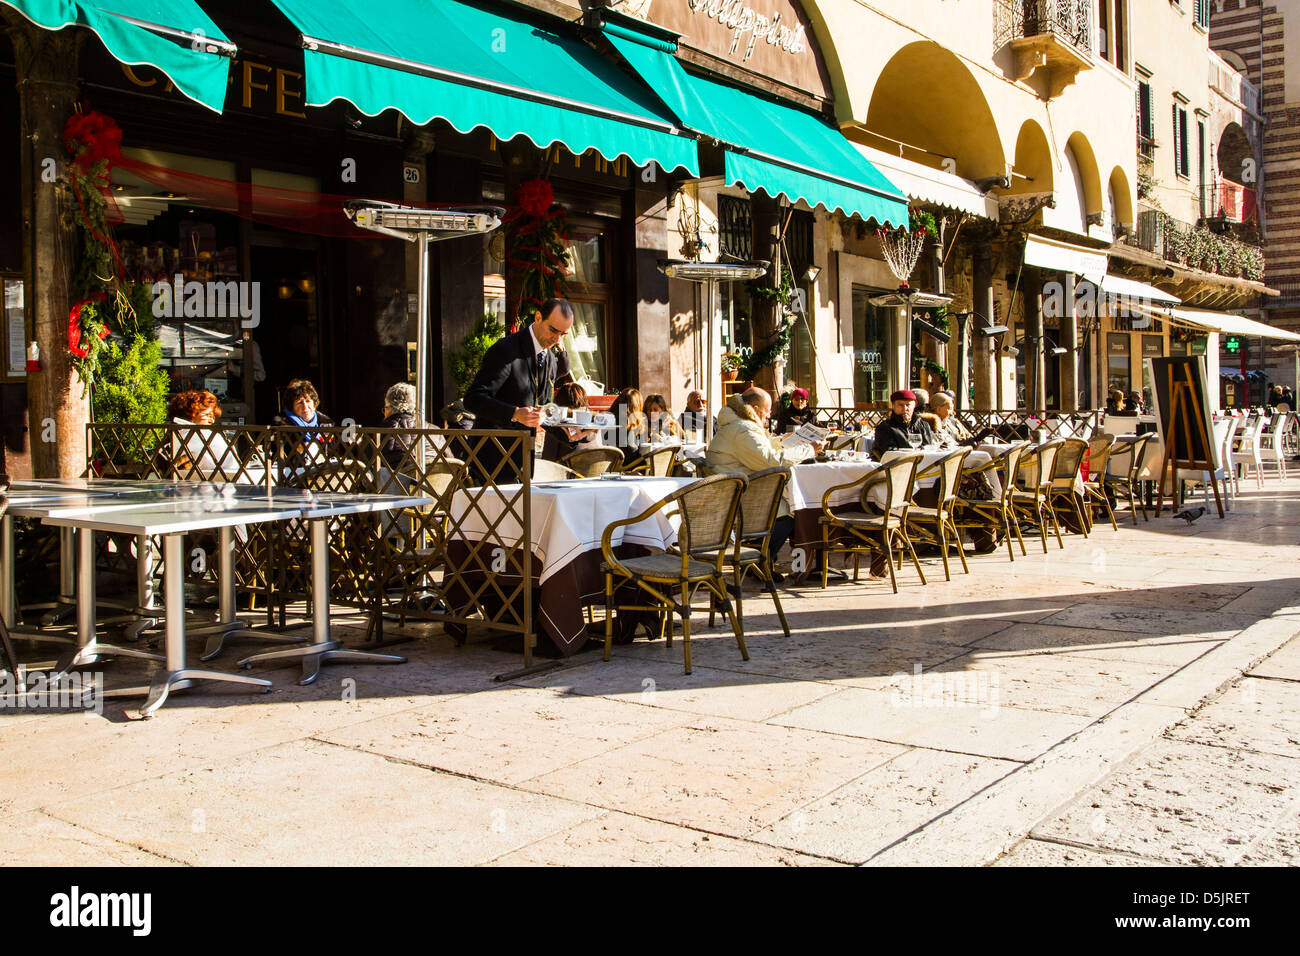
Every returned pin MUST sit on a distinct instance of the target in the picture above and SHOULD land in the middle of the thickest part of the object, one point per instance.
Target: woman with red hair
(194, 407)
(203, 453)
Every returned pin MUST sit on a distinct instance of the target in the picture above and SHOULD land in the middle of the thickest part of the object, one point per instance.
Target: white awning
(1236, 324)
(1063, 257)
(931, 185)
(1132, 289)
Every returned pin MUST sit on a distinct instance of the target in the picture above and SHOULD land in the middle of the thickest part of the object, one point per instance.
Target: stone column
(1069, 326)
(983, 349)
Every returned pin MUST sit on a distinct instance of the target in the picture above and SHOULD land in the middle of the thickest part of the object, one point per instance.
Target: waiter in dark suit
(517, 376)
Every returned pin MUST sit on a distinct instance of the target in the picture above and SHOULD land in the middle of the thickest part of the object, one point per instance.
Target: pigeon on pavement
(1190, 514)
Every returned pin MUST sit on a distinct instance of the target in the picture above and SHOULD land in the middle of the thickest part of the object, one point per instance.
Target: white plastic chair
(1271, 444)
(1247, 451)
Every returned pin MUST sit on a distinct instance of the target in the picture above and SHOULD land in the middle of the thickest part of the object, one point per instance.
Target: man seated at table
(742, 446)
(903, 428)
(695, 418)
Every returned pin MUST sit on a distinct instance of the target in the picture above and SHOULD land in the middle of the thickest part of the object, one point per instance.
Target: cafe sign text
(751, 26)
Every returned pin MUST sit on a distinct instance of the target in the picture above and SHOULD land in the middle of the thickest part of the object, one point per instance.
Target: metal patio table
(171, 518)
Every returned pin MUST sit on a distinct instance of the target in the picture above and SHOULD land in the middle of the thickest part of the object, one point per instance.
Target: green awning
(779, 149)
(174, 36)
(475, 68)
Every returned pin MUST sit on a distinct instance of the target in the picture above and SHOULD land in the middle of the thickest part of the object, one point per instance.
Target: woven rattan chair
(865, 530)
(997, 514)
(759, 507)
(1033, 500)
(417, 544)
(934, 525)
(707, 510)
(6, 645)
(1061, 491)
(1094, 489)
(590, 462)
(544, 470)
(1129, 482)
(658, 463)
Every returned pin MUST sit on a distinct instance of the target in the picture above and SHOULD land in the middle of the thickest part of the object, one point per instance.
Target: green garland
(769, 353)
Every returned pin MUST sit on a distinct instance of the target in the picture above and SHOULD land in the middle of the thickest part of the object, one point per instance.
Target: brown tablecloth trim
(559, 604)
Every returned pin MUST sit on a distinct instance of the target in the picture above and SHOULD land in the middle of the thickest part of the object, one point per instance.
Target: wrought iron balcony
(1052, 36)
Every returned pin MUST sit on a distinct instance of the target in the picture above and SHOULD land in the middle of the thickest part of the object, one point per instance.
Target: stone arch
(925, 96)
(1033, 162)
(1121, 194)
(1092, 199)
(1235, 157)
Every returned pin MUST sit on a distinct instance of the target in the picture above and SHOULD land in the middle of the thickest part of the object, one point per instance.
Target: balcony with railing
(1231, 85)
(1230, 203)
(1197, 247)
(1054, 37)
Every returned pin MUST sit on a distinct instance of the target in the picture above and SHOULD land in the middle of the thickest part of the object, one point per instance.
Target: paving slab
(1047, 853)
(720, 775)
(1060, 683)
(33, 838)
(1283, 664)
(314, 804)
(1185, 803)
(864, 816)
(706, 690)
(1255, 714)
(1142, 620)
(507, 735)
(1171, 651)
(619, 839)
(958, 712)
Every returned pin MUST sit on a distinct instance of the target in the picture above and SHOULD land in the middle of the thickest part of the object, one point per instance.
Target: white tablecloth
(569, 517)
(809, 482)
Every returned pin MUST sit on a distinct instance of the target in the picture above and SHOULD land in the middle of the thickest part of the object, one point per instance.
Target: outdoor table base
(175, 675)
(90, 650)
(322, 649)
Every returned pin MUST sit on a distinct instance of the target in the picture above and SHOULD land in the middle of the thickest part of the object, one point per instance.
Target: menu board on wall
(15, 328)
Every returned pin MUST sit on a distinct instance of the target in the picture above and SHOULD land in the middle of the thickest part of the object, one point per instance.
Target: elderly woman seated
(943, 422)
(400, 413)
(797, 413)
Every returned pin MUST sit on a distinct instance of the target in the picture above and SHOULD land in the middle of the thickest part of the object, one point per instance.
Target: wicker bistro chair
(759, 506)
(1094, 489)
(707, 509)
(933, 525)
(416, 543)
(1033, 500)
(866, 530)
(658, 463)
(1061, 492)
(590, 462)
(1129, 482)
(544, 470)
(997, 514)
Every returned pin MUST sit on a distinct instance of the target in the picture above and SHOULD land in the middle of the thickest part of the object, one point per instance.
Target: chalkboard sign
(1188, 441)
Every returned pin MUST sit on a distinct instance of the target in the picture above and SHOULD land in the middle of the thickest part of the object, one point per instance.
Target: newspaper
(799, 443)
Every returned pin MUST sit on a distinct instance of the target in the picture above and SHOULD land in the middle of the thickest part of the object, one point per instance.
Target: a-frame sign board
(1183, 413)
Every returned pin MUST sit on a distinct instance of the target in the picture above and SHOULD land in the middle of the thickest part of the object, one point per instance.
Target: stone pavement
(1129, 700)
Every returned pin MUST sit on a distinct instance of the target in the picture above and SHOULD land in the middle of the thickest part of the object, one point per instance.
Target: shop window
(735, 229)
(589, 291)
(1153, 346)
(871, 350)
(15, 328)
(1119, 363)
(737, 310)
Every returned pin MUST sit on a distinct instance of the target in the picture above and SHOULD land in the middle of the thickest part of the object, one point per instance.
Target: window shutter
(1178, 145)
(1185, 162)
(1144, 110)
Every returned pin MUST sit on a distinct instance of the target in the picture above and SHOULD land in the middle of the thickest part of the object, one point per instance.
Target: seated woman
(633, 428)
(797, 413)
(300, 409)
(563, 440)
(400, 412)
(947, 429)
(203, 454)
(1114, 401)
(659, 419)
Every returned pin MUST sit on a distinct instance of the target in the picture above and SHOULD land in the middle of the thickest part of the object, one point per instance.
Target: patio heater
(708, 274)
(422, 226)
(906, 297)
